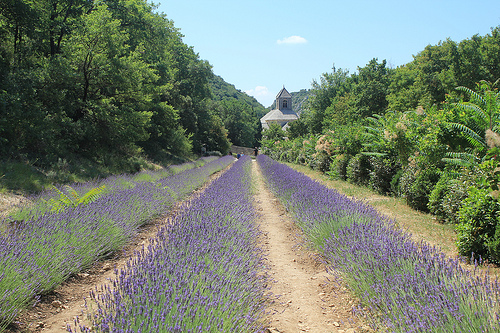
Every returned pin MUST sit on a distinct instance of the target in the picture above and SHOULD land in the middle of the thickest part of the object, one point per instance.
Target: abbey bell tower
(283, 114)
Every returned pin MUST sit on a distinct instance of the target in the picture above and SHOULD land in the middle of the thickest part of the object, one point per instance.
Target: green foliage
(484, 106)
(22, 177)
(491, 168)
(107, 82)
(383, 170)
(396, 182)
(273, 133)
(338, 167)
(297, 129)
(417, 184)
(70, 198)
(343, 111)
(494, 246)
(372, 82)
(240, 121)
(63, 199)
(331, 85)
(478, 219)
(440, 191)
(358, 170)
(454, 198)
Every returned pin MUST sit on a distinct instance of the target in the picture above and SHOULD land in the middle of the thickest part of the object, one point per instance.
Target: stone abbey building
(282, 114)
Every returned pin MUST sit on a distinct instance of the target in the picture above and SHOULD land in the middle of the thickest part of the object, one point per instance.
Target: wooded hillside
(104, 82)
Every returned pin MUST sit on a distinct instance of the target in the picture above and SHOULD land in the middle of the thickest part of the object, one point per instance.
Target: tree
(331, 85)
(112, 84)
(240, 122)
(371, 86)
(483, 111)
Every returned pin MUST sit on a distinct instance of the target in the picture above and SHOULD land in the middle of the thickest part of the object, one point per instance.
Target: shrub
(494, 246)
(440, 191)
(477, 227)
(324, 161)
(214, 153)
(338, 167)
(383, 171)
(395, 182)
(417, 184)
(358, 170)
(456, 195)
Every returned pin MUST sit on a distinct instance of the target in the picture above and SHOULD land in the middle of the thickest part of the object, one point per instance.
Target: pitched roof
(283, 94)
(279, 115)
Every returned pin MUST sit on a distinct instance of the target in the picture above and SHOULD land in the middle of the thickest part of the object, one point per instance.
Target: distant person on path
(238, 156)
(256, 151)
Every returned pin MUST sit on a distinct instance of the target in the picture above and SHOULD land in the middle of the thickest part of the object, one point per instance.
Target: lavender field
(403, 286)
(40, 247)
(202, 273)
(205, 270)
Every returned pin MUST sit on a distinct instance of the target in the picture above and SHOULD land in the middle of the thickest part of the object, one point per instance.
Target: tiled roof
(279, 115)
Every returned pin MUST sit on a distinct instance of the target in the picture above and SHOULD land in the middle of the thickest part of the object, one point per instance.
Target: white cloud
(258, 91)
(262, 94)
(292, 40)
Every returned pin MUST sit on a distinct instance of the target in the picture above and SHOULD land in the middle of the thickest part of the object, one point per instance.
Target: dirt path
(308, 301)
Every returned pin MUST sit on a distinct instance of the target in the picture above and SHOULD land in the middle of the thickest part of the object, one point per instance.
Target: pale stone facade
(283, 114)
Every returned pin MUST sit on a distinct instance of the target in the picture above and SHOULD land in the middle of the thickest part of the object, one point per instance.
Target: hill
(223, 91)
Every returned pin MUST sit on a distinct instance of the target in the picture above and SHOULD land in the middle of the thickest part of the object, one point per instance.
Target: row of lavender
(41, 251)
(403, 285)
(202, 273)
(39, 203)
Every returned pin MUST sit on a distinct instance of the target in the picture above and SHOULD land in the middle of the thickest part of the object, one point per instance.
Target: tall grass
(403, 285)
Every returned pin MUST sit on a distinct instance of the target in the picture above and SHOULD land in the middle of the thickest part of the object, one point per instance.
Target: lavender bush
(40, 252)
(203, 272)
(405, 286)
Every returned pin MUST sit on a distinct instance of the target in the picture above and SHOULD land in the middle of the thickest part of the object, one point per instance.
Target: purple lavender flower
(200, 274)
(41, 251)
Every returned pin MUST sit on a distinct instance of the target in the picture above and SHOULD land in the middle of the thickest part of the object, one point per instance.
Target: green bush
(383, 170)
(324, 161)
(477, 228)
(358, 170)
(494, 246)
(455, 197)
(338, 167)
(395, 182)
(450, 193)
(417, 184)
(440, 191)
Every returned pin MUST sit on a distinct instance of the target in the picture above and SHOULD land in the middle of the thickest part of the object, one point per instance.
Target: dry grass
(422, 226)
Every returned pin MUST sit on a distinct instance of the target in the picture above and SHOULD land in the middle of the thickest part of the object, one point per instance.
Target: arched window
(285, 104)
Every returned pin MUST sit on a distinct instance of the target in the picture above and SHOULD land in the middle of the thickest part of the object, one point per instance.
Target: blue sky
(261, 45)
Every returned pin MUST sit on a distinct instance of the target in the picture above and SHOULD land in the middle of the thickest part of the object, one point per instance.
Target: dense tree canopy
(100, 79)
(340, 98)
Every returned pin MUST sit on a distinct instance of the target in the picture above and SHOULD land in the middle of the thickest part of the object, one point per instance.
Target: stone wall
(245, 150)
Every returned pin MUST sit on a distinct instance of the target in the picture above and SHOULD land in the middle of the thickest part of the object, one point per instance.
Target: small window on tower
(285, 104)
